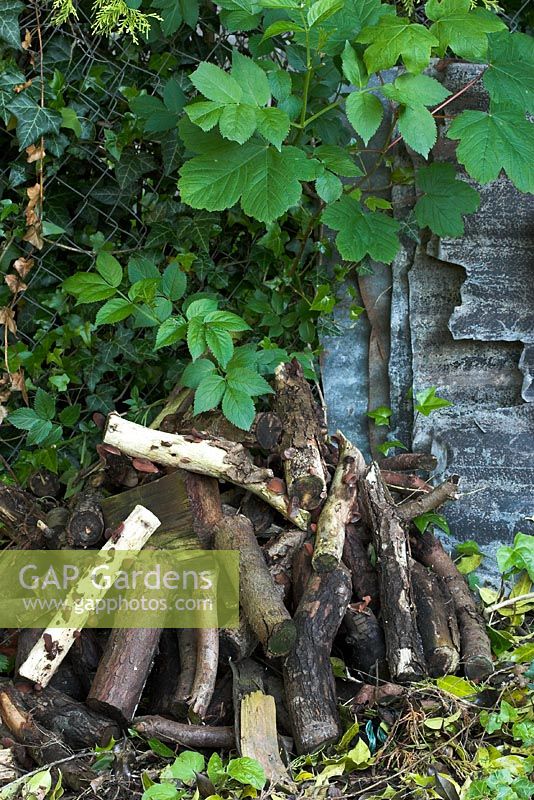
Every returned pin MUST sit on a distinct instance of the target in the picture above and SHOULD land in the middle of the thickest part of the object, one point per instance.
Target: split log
(364, 639)
(279, 553)
(122, 673)
(218, 458)
(475, 647)
(44, 746)
(409, 462)
(428, 502)
(50, 650)
(436, 622)
(339, 507)
(302, 437)
(308, 677)
(356, 559)
(85, 527)
(207, 661)
(187, 647)
(57, 712)
(259, 596)
(194, 736)
(403, 642)
(22, 519)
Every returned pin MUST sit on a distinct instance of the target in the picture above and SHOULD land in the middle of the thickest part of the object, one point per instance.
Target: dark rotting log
(205, 505)
(44, 483)
(436, 622)
(57, 519)
(161, 684)
(308, 677)
(22, 518)
(85, 527)
(409, 462)
(238, 643)
(259, 513)
(302, 572)
(267, 429)
(403, 643)
(475, 647)
(122, 673)
(363, 640)
(363, 574)
(258, 593)
(302, 437)
(193, 736)
(187, 647)
(207, 660)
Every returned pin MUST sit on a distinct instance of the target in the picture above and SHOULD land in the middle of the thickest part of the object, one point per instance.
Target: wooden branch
(259, 596)
(161, 683)
(356, 559)
(436, 622)
(401, 482)
(308, 678)
(475, 646)
(122, 673)
(339, 507)
(50, 650)
(301, 437)
(364, 639)
(205, 504)
(414, 508)
(218, 458)
(207, 661)
(22, 519)
(194, 736)
(44, 483)
(409, 462)
(187, 646)
(403, 643)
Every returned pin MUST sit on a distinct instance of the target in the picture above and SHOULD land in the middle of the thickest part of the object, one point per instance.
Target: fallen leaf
(21, 86)
(23, 266)
(15, 284)
(18, 384)
(27, 41)
(7, 318)
(33, 236)
(3, 413)
(35, 153)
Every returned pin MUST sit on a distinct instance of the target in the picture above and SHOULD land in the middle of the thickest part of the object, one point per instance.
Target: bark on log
(44, 483)
(302, 572)
(428, 502)
(339, 507)
(217, 458)
(187, 646)
(122, 673)
(259, 596)
(66, 679)
(475, 646)
(22, 519)
(205, 505)
(207, 660)
(50, 650)
(308, 678)
(238, 643)
(364, 575)
(302, 437)
(403, 642)
(194, 736)
(401, 482)
(259, 513)
(161, 684)
(410, 462)
(85, 527)
(364, 639)
(436, 622)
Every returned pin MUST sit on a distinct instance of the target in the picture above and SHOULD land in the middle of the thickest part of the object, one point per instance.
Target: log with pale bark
(190, 736)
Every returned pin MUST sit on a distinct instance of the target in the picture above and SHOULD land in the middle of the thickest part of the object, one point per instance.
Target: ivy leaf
(9, 23)
(393, 37)
(337, 160)
(273, 124)
(246, 380)
(110, 269)
(431, 518)
(238, 407)
(417, 127)
(114, 311)
(461, 27)
(416, 90)
(205, 113)
(219, 342)
(321, 10)
(194, 373)
(380, 415)
(364, 112)
(237, 122)
(445, 200)
(216, 84)
(362, 233)
(32, 120)
(353, 67)
(252, 80)
(427, 401)
(509, 78)
(501, 139)
(328, 187)
(209, 393)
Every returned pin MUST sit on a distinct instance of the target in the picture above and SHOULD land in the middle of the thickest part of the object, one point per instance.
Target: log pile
(330, 564)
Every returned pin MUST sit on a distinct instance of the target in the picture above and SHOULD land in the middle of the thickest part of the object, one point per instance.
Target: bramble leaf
(364, 112)
(444, 201)
(237, 122)
(328, 187)
(114, 311)
(353, 67)
(209, 393)
(246, 380)
(170, 331)
(220, 343)
(194, 373)
(238, 407)
(509, 78)
(393, 37)
(252, 80)
(461, 27)
(110, 269)
(216, 84)
(273, 124)
(415, 90)
(417, 127)
(337, 160)
(362, 233)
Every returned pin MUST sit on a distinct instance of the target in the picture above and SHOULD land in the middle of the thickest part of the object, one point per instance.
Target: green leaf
(393, 37)
(39, 431)
(174, 96)
(337, 160)
(273, 124)
(490, 142)
(44, 405)
(160, 749)
(362, 233)
(209, 393)
(161, 791)
(23, 418)
(194, 373)
(238, 407)
(226, 320)
(380, 416)
(518, 557)
(252, 80)
(110, 269)
(431, 518)
(509, 78)
(418, 128)
(196, 338)
(427, 401)
(247, 771)
(114, 311)
(70, 120)
(49, 229)
(170, 331)
(88, 287)
(279, 83)
(141, 268)
(248, 381)
(216, 84)
(322, 10)
(216, 771)
(9, 24)
(328, 187)
(219, 342)
(416, 90)
(201, 307)
(461, 27)
(185, 766)
(353, 67)
(237, 122)
(70, 415)
(174, 282)
(282, 26)
(32, 120)
(459, 687)
(364, 112)
(206, 114)
(391, 444)
(444, 200)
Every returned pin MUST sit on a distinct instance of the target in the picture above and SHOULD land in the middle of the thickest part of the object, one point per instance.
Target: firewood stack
(330, 564)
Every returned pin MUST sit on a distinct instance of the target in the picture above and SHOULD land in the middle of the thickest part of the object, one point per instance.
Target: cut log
(258, 593)
(436, 622)
(356, 559)
(50, 650)
(410, 462)
(22, 519)
(364, 640)
(56, 520)
(122, 673)
(207, 660)
(44, 483)
(238, 643)
(205, 504)
(66, 678)
(475, 647)
(308, 677)
(218, 458)
(85, 527)
(428, 502)
(339, 507)
(302, 437)
(403, 642)
(193, 736)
